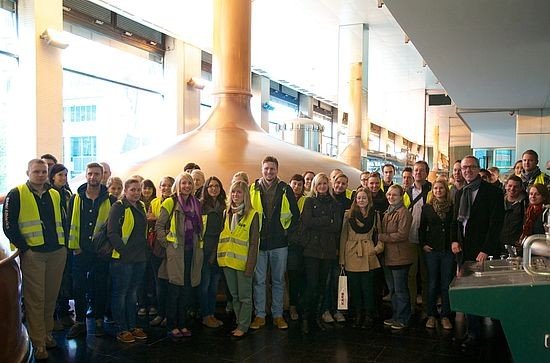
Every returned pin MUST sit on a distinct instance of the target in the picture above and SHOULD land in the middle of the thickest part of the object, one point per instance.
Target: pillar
(182, 62)
(305, 106)
(352, 87)
(40, 85)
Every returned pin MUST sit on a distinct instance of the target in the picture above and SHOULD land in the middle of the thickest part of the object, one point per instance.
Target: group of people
(169, 252)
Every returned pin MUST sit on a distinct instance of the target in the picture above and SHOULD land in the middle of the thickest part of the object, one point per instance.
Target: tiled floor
(338, 344)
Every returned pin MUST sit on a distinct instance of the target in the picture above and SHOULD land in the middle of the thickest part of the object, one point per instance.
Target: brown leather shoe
(257, 323)
(280, 322)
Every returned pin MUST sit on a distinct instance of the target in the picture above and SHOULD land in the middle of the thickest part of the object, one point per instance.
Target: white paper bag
(342, 291)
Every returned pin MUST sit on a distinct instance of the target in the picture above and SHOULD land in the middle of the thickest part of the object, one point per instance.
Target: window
(83, 152)
(80, 113)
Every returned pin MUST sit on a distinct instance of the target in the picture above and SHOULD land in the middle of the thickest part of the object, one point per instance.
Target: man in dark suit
(477, 225)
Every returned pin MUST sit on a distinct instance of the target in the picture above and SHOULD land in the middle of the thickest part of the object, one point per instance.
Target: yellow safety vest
(349, 193)
(168, 205)
(155, 206)
(301, 203)
(539, 179)
(74, 230)
(256, 200)
(407, 199)
(233, 246)
(127, 228)
(30, 224)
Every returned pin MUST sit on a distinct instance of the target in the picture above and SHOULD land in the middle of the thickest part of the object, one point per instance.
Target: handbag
(342, 290)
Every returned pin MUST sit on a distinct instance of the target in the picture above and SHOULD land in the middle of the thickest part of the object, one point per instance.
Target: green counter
(522, 304)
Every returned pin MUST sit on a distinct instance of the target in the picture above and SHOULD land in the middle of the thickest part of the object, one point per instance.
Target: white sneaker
(339, 317)
(327, 317)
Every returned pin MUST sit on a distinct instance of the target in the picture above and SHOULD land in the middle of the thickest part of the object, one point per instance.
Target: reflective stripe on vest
(256, 200)
(233, 246)
(127, 228)
(30, 224)
(74, 229)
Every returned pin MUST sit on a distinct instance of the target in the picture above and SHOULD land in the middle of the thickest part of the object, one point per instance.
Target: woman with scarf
(434, 235)
(358, 255)
(322, 222)
(399, 254)
(213, 201)
(533, 223)
(178, 229)
(237, 253)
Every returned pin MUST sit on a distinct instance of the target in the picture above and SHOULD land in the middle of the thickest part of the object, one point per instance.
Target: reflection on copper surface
(231, 140)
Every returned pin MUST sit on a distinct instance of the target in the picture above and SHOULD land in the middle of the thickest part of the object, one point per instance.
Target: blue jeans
(400, 300)
(440, 275)
(125, 281)
(210, 277)
(277, 260)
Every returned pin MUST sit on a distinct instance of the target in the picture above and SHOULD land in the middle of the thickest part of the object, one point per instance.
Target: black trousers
(316, 271)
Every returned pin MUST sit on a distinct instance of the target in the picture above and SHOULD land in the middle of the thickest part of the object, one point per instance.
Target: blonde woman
(178, 229)
(358, 255)
(238, 251)
(399, 254)
(434, 235)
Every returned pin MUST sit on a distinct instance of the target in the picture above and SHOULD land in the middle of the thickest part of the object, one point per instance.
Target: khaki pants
(42, 273)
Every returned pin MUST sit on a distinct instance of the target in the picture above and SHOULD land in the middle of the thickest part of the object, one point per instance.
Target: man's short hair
(191, 166)
(408, 169)
(49, 157)
(425, 163)
(95, 165)
(514, 178)
(494, 170)
(35, 161)
(476, 160)
(532, 153)
(298, 178)
(271, 159)
(388, 165)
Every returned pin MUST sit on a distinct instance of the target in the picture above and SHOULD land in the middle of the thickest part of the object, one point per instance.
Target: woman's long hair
(206, 198)
(244, 188)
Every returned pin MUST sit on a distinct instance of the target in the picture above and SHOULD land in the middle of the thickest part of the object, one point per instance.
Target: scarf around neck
(533, 212)
(193, 222)
(441, 207)
(467, 199)
(236, 214)
(366, 222)
(530, 176)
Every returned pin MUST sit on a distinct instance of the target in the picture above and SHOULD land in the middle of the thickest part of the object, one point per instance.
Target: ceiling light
(153, 43)
(99, 22)
(128, 34)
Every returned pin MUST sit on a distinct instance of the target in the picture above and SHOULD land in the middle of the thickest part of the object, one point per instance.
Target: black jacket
(513, 221)
(322, 223)
(434, 231)
(484, 226)
(136, 248)
(89, 210)
(272, 234)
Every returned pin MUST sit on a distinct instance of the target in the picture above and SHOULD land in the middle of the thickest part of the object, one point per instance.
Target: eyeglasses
(214, 186)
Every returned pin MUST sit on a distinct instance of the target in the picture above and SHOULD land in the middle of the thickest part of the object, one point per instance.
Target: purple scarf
(193, 221)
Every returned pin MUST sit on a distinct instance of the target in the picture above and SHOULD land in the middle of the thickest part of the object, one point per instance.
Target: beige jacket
(357, 251)
(172, 267)
(395, 235)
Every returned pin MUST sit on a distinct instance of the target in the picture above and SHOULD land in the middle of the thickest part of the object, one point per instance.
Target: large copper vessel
(231, 140)
(14, 341)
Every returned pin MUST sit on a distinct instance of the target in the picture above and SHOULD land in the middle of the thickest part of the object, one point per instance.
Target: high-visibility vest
(256, 200)
(74, 229)
(540, 179)
(301, 203)
(169, 205)
(30, 224)
(127, 228)
(233, 246)
(155, 206)
(349, 193)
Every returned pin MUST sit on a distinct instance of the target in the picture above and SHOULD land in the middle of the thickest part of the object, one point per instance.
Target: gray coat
(172, 267)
